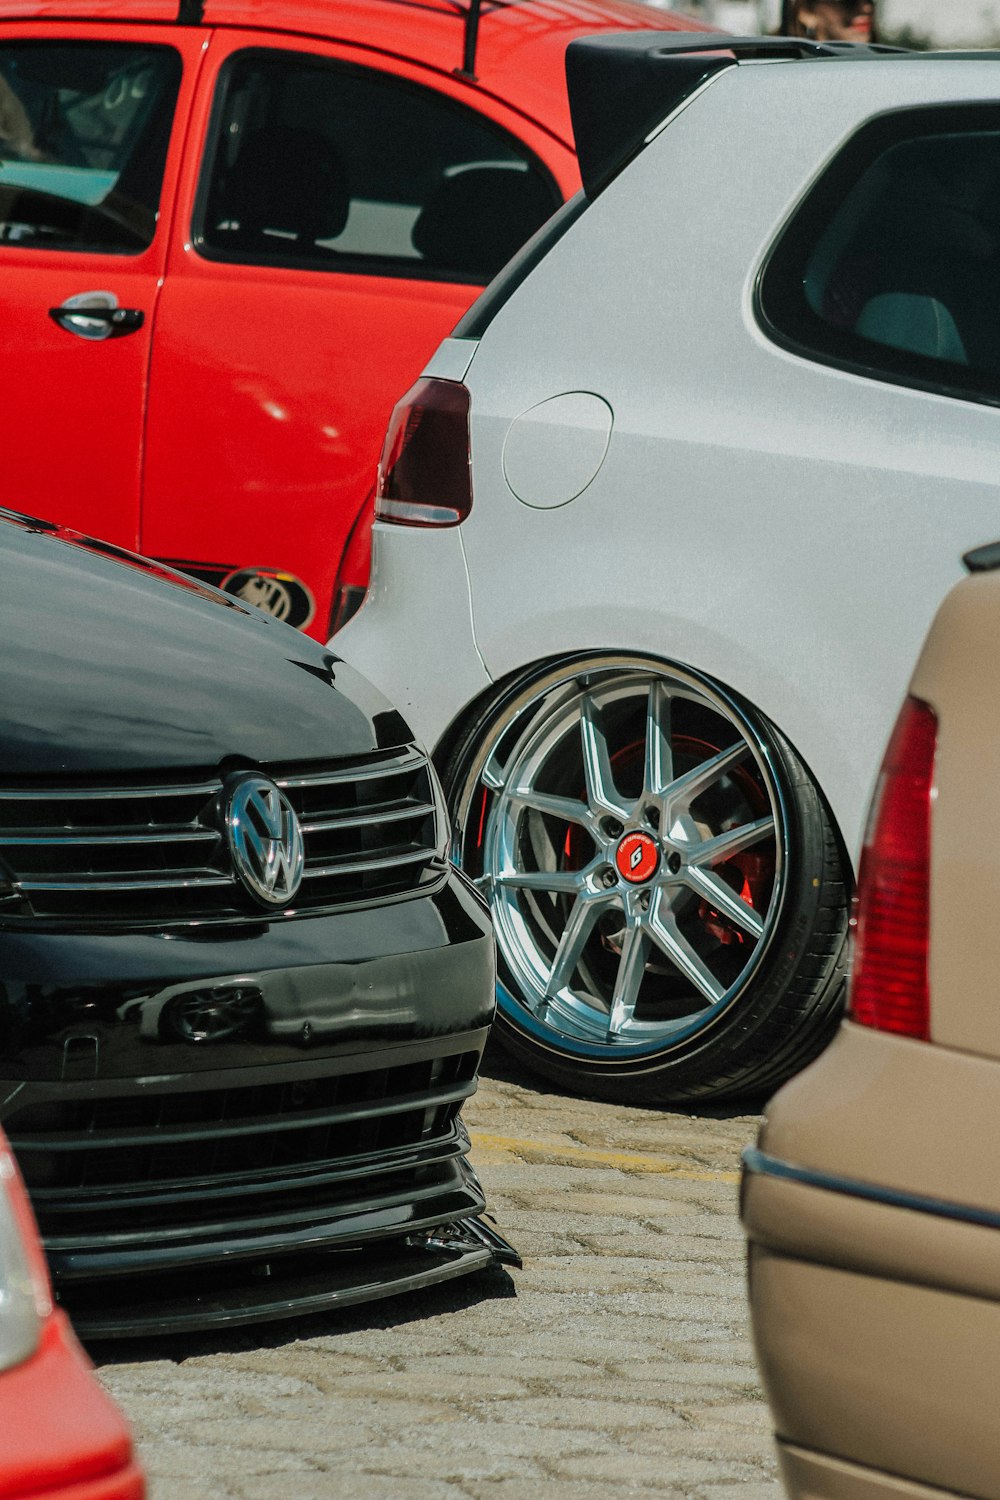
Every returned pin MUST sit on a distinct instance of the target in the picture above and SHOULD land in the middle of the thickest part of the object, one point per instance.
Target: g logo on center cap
(265, 840)
(637, 857)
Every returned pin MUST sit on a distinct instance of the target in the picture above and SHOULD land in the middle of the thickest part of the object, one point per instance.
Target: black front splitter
(292, 1286)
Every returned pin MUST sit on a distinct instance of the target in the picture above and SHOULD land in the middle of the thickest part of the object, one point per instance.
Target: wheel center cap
(637, 857)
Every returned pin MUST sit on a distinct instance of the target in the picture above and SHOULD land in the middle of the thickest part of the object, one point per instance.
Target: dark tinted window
(346, 169)
(83, 139)
(893, 265)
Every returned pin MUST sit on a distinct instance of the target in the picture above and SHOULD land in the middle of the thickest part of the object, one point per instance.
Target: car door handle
(98, 322)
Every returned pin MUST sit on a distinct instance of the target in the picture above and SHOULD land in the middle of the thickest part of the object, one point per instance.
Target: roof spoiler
(621, 86)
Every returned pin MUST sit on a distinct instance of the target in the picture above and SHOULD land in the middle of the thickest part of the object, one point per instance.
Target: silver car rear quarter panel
(414, 632)
(786, 527)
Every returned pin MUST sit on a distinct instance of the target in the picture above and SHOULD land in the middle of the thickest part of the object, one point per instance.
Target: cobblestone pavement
(618, 1358)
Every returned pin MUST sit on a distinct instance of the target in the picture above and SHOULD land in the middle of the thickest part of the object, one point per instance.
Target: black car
(243, 993)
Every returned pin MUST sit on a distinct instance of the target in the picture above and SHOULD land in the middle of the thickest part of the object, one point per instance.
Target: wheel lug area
(674, 863)
(652, 815)
(608, 877)
(612, 828)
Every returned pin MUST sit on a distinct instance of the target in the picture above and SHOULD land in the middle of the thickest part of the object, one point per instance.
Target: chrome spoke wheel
(630, 833)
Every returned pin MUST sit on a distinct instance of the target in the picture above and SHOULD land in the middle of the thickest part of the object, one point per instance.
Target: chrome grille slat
(116, 793)
(83, 840)
(152, 884)
(417, 810)
(157, 852)
(381, 768)
(356, 866)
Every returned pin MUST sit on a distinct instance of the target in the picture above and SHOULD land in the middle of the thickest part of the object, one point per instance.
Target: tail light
(351, 583)
(424, 475)
(889, 988)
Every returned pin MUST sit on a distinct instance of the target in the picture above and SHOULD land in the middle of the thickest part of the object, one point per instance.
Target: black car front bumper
(218, 1125)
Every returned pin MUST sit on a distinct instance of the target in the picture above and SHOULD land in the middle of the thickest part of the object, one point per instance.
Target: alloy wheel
(628, 828)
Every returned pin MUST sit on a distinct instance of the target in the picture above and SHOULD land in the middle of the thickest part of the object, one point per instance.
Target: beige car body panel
(815, 1476)
(873, 1203)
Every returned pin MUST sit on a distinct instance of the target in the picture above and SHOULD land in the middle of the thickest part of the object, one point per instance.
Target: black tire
(761, 969)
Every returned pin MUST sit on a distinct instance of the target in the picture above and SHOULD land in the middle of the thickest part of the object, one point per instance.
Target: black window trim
(388, 266)
(779, 297)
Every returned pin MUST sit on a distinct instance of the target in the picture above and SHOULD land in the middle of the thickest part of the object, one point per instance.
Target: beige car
(872, 1200)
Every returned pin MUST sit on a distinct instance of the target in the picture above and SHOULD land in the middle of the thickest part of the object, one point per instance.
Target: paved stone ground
(619, 1358)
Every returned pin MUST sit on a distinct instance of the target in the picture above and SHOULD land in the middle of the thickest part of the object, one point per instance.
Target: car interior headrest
(286, 184)
(478, 217)
(918, 324)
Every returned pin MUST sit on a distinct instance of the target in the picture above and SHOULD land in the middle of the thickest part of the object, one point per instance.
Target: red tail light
(355, 566)
(424, 477)
(889, 988)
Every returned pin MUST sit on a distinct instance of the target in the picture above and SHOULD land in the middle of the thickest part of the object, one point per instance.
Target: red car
(232, 233)
(61, 1437)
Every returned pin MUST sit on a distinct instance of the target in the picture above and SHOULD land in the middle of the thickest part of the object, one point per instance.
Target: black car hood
(111, 663)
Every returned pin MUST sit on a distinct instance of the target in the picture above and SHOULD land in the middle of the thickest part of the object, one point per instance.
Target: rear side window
(892, 267)
(337, 168)
(84, 129)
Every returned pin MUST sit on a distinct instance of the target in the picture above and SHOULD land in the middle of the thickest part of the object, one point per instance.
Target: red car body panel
(63, 1439)
(73, 430)
(239, 428)
(61, 1436)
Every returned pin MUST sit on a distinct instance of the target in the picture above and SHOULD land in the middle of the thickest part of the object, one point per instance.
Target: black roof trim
(621, 85)
(192, 13)
(985, 559)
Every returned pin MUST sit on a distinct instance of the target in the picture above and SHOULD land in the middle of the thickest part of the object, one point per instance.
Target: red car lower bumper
(63, 1438)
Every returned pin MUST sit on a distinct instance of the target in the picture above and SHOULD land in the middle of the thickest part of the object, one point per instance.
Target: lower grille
(152, 1180)
(303, 1282)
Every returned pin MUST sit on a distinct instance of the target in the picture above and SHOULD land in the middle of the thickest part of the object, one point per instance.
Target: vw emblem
(265, 840)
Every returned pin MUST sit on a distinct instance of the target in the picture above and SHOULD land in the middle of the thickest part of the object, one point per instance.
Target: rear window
(84, 129)
(892, 266)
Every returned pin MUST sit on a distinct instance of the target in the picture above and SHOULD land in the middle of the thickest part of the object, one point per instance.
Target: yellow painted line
(584, 1156)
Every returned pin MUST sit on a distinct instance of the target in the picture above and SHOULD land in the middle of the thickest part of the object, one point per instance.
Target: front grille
(144, 1171)
(155, 851)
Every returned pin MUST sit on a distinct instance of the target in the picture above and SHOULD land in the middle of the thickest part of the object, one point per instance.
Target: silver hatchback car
(675, 506)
